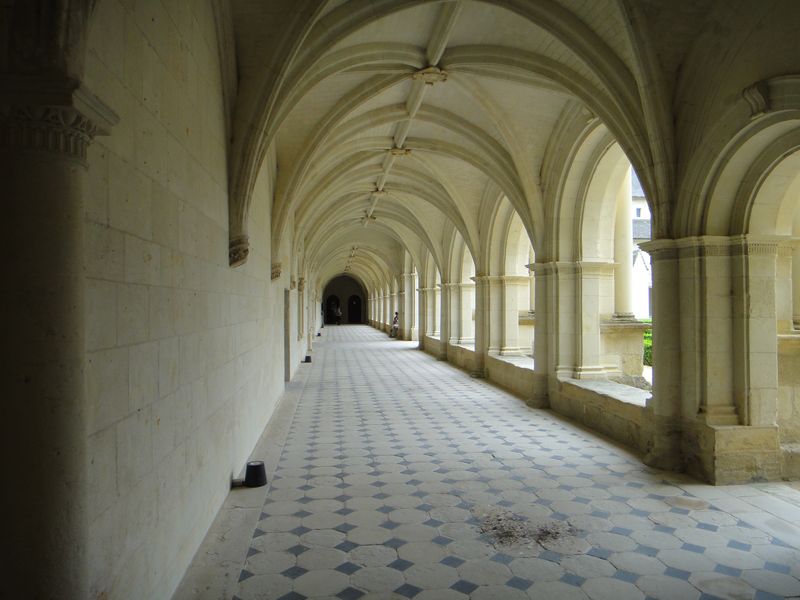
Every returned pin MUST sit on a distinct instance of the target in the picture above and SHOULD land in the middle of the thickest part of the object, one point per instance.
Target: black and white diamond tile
(392, 457)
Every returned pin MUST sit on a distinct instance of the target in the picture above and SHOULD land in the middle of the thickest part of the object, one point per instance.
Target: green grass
(647, 359)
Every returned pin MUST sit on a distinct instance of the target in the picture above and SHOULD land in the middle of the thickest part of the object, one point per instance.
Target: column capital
(587, 267)
(483, 278)
(764, 245)
(560, 267)
(59, 116)
(703, 246)
(516, 279)
(512, 279)
(662, 249)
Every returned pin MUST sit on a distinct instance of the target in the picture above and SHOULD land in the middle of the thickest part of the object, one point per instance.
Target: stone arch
(618, 84)
(506, 279)
(598, 206)
(717, 194)
(459, 292)
(589, 257)
(519, 287)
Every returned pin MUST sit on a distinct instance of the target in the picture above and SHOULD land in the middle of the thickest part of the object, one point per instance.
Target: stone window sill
(612, 390)
(523, 362)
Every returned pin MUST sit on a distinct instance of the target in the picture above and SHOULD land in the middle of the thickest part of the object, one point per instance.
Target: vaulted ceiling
(399, 124)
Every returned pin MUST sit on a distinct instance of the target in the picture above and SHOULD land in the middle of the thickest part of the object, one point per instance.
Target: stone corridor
(395, 468)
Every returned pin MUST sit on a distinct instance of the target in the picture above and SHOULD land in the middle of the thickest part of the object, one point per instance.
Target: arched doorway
(354, 309)
(348, 294)
(330, 308)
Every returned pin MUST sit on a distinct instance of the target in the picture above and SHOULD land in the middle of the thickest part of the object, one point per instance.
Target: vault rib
(423, 80)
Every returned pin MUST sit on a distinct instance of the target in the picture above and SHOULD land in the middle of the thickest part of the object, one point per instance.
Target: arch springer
(238, 250)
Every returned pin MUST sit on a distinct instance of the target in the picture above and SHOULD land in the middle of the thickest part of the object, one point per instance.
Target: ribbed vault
(399, 124)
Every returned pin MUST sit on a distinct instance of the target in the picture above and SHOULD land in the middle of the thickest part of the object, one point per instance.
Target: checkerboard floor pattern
(392, 458)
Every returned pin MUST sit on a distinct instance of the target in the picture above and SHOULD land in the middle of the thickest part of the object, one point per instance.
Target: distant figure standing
(338, 313)
(395, 326)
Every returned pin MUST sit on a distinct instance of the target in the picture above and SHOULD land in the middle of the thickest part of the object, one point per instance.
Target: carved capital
(51, 115)
(301, 284)
(661, 249)
(751, 245)
(430, 75)
(238, 250)
(706, 246)
(56, 129)
(276, 271)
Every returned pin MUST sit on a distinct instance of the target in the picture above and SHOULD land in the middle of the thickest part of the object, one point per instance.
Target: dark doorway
(348, 294)
(354, 309)
(330, 309)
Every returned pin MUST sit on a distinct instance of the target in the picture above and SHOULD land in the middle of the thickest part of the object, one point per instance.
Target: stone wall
(613, 409)
(461, 356)
(184, 354)
(516, 378)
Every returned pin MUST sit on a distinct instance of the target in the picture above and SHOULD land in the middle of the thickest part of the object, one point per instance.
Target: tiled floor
(393, 459)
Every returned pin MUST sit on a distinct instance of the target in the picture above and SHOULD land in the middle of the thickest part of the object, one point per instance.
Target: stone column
(444, 317)
(422, 311)
(370, 312)
(407, 325)
(623, 252)
(705, 313)
(531, 283)
(301, 307)
(784, 307)
(590, 280)
(564, 304)
(755, 319)
(481, 324)
(663, 443)
(452, 302)
(494, 309)
(401, 314)
(428, 310)
(44, 136)
(394, 301)
(436, 292)
(542, 355)
(467, 325)
(510, 308)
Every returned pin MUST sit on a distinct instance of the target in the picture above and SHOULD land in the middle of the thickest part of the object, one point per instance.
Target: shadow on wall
(340, 290)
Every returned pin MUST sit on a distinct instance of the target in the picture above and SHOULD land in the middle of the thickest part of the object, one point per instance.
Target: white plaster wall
(184, 354)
